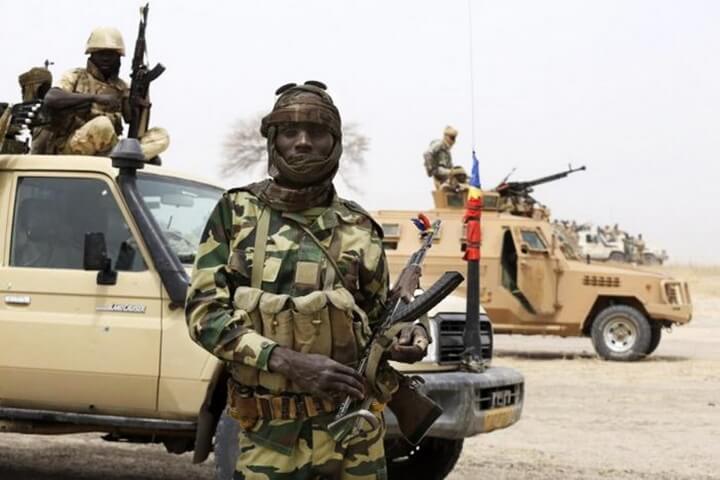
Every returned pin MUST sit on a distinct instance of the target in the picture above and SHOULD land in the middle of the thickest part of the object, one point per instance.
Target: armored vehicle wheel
(617, 257)
(225, 447)
(621, 333)
(656, 330)
(433, 459)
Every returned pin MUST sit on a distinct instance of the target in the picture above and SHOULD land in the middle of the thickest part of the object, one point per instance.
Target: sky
(628, 88)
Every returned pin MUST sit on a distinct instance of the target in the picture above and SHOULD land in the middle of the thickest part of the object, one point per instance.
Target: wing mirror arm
(95, 258)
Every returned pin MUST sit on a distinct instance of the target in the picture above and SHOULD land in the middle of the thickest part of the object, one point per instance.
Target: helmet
(303, 103)
(105, 38)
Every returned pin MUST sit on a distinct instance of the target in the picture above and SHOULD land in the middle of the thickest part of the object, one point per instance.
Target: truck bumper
(680, 314)
(472, 403)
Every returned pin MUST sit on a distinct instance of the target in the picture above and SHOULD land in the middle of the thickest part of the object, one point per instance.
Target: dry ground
(583, 418)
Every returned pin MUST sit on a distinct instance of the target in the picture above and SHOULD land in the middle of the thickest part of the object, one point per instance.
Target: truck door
(67, 342)
(536, 276)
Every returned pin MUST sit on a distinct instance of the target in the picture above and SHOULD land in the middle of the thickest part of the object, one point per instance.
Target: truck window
(181, 208)
(52, 216)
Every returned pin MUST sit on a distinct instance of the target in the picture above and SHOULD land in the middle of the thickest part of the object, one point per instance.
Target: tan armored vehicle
(533, 282)
(94, 263)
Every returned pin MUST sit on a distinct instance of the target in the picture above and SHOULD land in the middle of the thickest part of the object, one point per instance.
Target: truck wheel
(656, 332)
(621, 333)
(616, 257)
(225, 447)
(433, 459)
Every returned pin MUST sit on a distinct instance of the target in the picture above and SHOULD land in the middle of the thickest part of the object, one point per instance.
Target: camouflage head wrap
(303, 103)
(35, 83)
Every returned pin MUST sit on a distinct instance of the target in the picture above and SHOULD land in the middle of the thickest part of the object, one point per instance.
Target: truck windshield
(181, 208)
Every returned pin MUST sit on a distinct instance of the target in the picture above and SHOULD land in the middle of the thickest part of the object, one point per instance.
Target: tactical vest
(87, 83)
(326, 322)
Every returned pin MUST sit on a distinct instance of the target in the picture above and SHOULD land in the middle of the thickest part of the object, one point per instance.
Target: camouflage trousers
(98, 137)
(315, 456)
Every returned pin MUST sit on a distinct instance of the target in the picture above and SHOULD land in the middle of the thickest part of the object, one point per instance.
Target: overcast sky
(630, 88)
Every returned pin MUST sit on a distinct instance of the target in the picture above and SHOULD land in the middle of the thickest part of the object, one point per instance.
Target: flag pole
(472, 359)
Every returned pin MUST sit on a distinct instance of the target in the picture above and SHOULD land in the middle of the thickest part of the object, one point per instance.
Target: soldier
(287, 283)
(438, 163)
(88, 105)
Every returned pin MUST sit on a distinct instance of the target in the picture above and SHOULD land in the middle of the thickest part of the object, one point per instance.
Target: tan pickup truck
(94, 262)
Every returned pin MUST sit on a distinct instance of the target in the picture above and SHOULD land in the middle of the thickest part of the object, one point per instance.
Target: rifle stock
(415, 411)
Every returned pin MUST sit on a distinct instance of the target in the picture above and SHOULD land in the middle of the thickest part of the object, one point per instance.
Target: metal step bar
(88, 419)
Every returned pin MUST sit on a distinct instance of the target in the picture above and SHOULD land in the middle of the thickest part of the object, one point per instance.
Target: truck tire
(621, 333)
(225, 447)
(656, 331)
(616, 257)
(433, 459)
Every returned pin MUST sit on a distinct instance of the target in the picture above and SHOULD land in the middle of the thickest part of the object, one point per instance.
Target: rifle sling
(261, 236)
(329, 257)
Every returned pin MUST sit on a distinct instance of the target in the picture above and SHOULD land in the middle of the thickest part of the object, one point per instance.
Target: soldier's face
(107, 61)
(297, 140)
(449, 140)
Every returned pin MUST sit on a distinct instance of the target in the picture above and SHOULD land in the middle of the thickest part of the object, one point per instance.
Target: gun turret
(515, 196)
(506, 189)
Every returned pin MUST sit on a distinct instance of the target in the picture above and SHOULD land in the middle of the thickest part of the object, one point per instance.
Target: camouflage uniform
(438, 161)
(91, 131)
(294, 267)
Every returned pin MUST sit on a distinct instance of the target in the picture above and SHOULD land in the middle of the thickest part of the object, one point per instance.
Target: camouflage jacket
(437, 155)
(224, 263)
(85, 80)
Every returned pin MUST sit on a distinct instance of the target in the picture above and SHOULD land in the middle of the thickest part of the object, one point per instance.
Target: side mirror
(95, 258)
(524, 248)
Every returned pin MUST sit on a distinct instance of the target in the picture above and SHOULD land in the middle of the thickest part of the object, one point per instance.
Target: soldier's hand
(108, 100)
(317, 374)
(411, 345)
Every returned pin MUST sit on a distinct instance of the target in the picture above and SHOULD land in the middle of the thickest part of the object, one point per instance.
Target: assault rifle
(415, 411)
(141, 77)
(524, 189)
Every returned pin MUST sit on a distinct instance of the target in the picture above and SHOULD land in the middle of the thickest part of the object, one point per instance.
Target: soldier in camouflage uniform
(288, 281)
(88, 105)
(438, 163)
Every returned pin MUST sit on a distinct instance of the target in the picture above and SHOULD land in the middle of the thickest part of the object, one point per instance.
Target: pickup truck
(95, 257)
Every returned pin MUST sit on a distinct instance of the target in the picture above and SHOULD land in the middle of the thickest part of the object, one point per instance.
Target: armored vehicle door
(528, 269)
(68, 341)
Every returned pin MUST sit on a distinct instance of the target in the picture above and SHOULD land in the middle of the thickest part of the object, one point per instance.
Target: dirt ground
(583, 418)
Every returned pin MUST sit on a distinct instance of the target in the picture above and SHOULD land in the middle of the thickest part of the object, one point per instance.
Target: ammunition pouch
(325, 322)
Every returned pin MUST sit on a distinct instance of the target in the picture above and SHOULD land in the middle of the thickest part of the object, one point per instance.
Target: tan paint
(561, 290)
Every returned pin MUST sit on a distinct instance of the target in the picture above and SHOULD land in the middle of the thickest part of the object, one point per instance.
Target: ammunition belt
(247, 406)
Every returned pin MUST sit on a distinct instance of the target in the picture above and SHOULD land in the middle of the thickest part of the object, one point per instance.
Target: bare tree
(245, 150)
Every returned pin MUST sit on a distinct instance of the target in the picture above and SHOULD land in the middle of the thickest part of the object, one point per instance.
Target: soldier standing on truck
(438, 163)
(88, 105)
(288, 281)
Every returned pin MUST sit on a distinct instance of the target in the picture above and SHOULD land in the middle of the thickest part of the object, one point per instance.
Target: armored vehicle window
(533, 240)
(52, 216)
(391, 235)
(490, 202)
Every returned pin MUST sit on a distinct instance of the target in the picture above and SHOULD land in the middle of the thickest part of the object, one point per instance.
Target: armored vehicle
(533, 281)
(94, 261)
